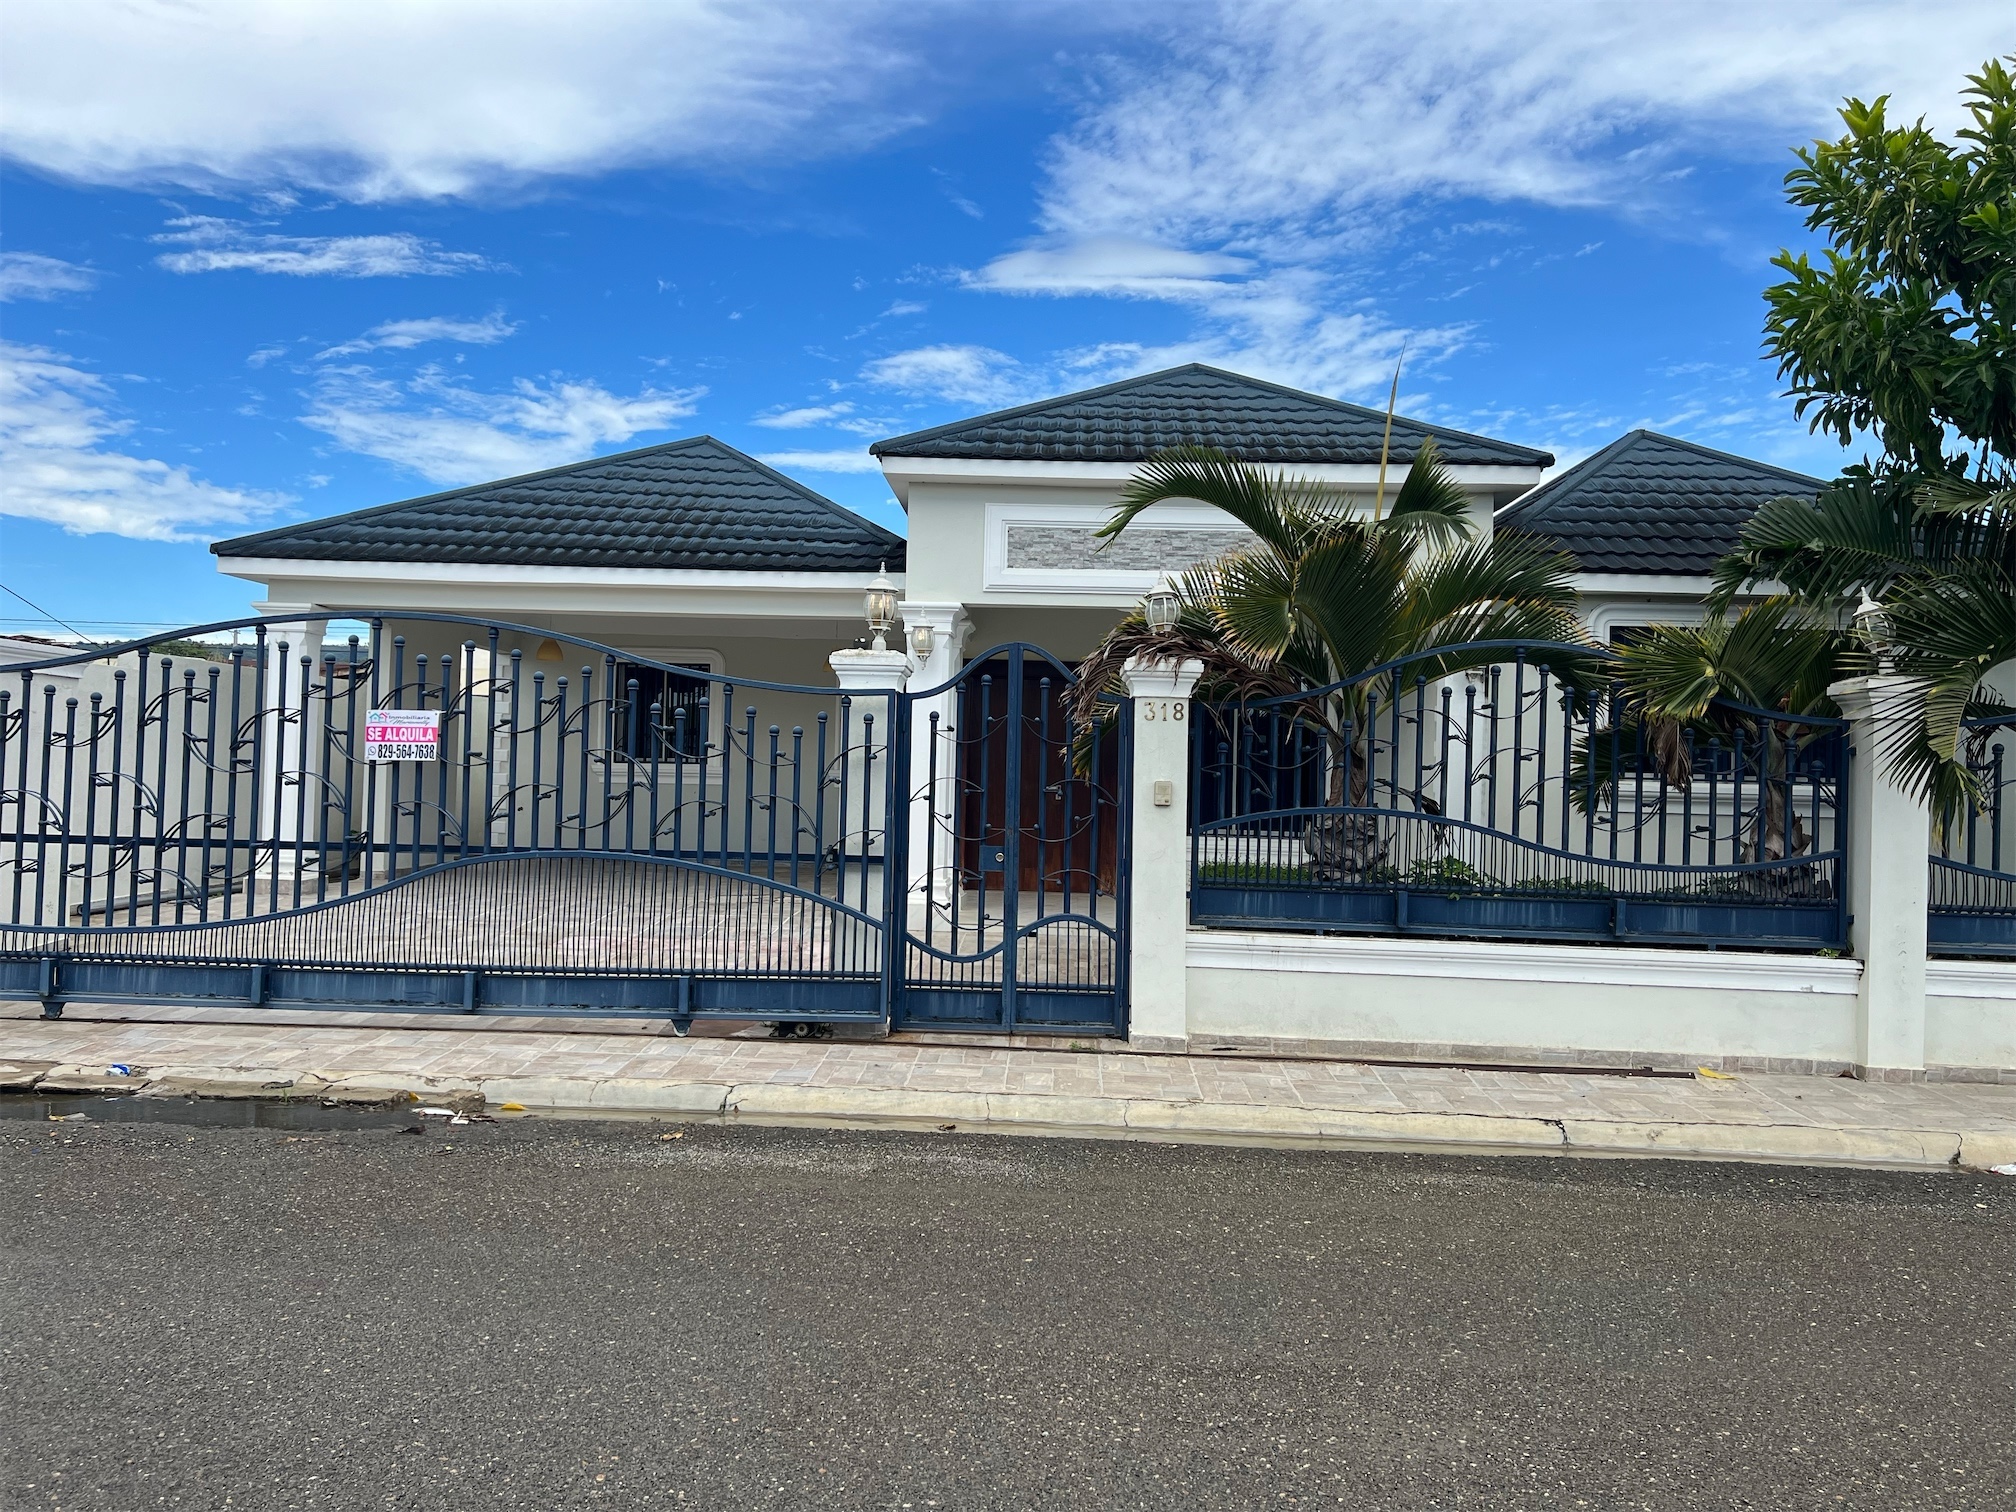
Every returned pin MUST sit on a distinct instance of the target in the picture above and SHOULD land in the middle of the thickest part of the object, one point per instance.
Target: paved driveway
(558, 1315)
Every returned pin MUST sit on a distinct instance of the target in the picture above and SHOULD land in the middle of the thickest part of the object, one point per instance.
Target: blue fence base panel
(1786, 926)
(1036, 1010)
(1961, 934)
(54, 981)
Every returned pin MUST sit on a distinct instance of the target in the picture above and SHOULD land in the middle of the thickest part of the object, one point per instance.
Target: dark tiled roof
(1650, 503)
(1196, 406)
(693, 504)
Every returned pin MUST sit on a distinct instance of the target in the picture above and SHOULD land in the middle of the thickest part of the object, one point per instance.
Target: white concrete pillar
(1889, 840)
(1158, 923)
(870, 748)
(934, 748)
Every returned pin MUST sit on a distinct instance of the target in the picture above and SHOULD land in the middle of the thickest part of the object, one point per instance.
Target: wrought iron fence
(224, 808)
(1501, 790)
(1973, 881)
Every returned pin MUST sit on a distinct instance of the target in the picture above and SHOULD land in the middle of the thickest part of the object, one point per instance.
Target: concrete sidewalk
(1097, 1089)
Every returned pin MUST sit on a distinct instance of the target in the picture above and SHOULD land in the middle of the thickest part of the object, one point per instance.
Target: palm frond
(1209, 476)
(1431, 504)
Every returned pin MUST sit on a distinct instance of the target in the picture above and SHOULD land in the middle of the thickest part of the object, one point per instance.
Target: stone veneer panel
(1077, 548)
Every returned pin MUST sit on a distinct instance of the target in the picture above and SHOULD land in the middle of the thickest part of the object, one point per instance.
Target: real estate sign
(402, 735)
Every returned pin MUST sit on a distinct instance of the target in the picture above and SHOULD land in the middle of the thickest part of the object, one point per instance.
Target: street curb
(1037, 1113)
(1801, 1142)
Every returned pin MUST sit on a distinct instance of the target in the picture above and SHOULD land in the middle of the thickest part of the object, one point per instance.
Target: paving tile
(529, 1047)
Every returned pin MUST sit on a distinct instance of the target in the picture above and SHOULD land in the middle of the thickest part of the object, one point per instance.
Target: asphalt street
(614, 1315)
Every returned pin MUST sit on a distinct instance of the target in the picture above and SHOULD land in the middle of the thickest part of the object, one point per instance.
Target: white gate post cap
(1860, 697)
(1161, 676)
(867, 671)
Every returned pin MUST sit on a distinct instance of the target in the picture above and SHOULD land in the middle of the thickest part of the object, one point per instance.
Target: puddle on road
(303, 1116)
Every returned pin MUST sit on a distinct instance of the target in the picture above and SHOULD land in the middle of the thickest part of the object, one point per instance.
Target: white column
(1889, 840)
(933, 801)
(1158, 873)
(868, 672)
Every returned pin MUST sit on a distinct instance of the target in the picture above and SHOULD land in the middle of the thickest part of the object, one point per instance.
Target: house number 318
(1165, 708)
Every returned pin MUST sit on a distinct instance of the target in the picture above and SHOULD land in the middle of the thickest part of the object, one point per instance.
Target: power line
(44, 612)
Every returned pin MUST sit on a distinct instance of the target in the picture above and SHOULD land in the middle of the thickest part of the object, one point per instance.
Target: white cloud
(805, 418)
(956, 374)
(30, 275)
(403, 334)
(378, 99)
(1248, 170)
(221, 246)
(904, 307)
(1305, 123)
(55, 466)
(1111, 265)
(824, 461)
(450, 433)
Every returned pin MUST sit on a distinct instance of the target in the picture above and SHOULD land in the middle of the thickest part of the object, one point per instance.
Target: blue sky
(266, 264)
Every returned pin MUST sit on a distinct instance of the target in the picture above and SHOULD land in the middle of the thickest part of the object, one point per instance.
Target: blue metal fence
(1973, 881)
(209, 825)
(1514, 791)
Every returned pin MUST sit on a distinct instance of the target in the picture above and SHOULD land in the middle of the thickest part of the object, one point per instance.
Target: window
(684, 706)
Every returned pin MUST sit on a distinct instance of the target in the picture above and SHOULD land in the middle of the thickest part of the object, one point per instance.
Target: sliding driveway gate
(445, 814)
(546, 825)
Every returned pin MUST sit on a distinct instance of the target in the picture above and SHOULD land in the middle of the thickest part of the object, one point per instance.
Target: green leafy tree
(1906, 331)
(1907, 328)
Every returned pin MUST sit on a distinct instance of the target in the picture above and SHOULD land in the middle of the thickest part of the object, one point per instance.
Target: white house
(744, 857)
(694, 552)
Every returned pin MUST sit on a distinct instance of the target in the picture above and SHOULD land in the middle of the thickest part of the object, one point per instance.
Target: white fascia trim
(1649, 584)
(267, 569)
(1995, 980)
(1663, 585)
(903, 471)
(1469, 960)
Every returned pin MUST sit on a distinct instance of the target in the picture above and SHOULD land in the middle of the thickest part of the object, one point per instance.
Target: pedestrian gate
(1018, 844)
(446, 814)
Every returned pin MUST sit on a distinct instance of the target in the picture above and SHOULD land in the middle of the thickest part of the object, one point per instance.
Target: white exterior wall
(960, 551)
(1970, 1015)
(1592, 1005)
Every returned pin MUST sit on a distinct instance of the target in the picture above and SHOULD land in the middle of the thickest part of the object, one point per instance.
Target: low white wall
(1970, 1015)
(1453, 999)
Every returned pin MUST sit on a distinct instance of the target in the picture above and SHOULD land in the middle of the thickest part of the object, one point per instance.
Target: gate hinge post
(1158, 859)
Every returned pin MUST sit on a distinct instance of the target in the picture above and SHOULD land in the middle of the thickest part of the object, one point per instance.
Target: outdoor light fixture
(1872, 625)
(549, 650)
(1161, 607)
(921, 642)
(880, 608)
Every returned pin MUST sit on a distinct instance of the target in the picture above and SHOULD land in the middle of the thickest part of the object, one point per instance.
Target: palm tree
(1946, 628)
(1740, 684)
(1930, 563)
(1323, 595)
